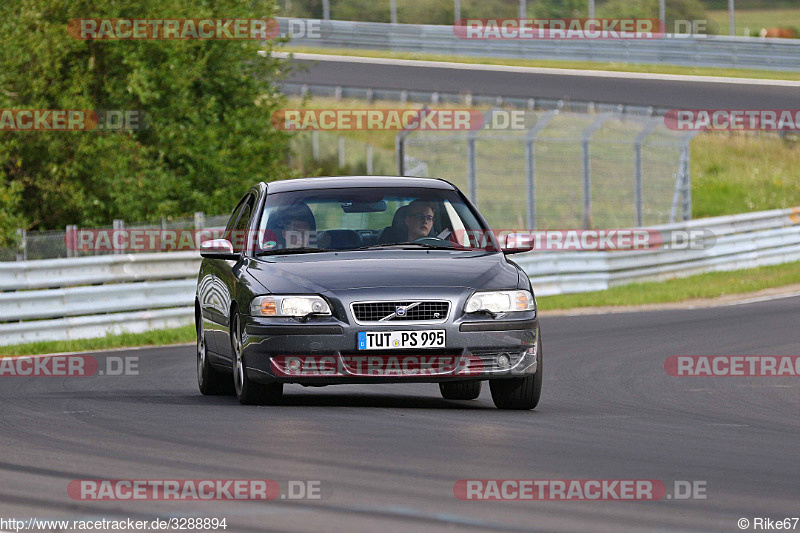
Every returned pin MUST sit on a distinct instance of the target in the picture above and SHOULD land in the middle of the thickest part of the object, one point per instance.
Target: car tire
(248, 391)
(460, 390)
(519, 393)
(210, 381)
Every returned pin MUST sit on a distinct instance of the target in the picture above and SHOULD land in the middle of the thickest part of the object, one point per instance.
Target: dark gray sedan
(322, 281)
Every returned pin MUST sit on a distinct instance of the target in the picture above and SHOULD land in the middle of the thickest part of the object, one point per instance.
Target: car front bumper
(324, 351)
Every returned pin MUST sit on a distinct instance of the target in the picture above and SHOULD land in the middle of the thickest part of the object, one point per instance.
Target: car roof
(334, 182)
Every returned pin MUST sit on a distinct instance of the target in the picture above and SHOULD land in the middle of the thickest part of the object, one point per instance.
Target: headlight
(289, 306)
(501, 302)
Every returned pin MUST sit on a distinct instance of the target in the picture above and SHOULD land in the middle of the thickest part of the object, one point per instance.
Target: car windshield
(359, 218)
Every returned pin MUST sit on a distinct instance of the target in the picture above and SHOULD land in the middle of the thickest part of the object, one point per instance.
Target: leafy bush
(209, 104)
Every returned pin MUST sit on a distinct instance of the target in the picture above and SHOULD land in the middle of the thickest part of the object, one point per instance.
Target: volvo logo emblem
(400, 310)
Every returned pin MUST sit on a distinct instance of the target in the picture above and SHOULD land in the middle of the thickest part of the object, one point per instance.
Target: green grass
(755, 19)
(157, 337)
(582, 65)
(735, 173)
(708, 285)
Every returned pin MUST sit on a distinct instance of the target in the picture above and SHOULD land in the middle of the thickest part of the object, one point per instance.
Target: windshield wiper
(290, 251)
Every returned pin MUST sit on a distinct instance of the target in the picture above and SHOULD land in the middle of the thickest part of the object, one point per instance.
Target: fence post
(315, 144)
(341, 151)
(400, 152)
(638, 180)
(70, 240)
(687, 175)
(587, 171)
(393, 11)
(22, 252)
(472, 167)
(369, 160)
(118, 225)
(530, 165)
(199, 220)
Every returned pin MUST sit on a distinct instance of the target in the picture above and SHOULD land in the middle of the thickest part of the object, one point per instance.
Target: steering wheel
(434, 241)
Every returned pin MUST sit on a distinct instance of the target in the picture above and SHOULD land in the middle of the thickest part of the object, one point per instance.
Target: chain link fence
(55, 244)
(566, 170)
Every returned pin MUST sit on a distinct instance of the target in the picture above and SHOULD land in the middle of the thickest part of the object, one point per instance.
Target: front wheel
(248, 391)
(519, 393)
(460, 390)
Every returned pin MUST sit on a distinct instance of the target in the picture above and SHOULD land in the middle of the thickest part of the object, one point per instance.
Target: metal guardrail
(687, 50)
(92, 296)
(742, 241)
(59, 299)
(468, 99)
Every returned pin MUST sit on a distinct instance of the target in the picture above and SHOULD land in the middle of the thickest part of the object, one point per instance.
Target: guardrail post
(586, 167)
(341, 151)
(472, 167)
(369, 160)
(22, 250)
(199, 220)
(638, 195)
(315, 144)
(393, 11)
(530, 166)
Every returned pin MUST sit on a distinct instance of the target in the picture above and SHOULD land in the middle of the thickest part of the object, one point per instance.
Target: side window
(233, 219)
(240, 230)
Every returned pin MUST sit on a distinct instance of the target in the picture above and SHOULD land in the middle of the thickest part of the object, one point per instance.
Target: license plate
(390, 340)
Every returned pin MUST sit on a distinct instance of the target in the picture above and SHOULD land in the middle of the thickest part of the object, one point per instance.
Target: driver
(419, 220)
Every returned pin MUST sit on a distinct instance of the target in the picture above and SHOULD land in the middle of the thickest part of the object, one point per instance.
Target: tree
(208, 104)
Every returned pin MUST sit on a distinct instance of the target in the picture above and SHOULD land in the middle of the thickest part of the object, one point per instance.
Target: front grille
(431, 311)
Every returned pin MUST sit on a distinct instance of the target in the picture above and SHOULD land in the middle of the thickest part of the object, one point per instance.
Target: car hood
(342, 271)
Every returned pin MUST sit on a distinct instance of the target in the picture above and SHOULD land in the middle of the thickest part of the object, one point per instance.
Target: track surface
(390, 454)
(631, 91)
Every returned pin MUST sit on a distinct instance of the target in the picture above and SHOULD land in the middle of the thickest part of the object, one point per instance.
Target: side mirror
(514, 244)
(218, 249)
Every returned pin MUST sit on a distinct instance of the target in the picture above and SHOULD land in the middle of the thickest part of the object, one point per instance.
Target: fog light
(503, 361)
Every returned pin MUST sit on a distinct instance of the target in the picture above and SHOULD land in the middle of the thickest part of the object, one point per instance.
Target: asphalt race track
(389, 455)
(633, 90)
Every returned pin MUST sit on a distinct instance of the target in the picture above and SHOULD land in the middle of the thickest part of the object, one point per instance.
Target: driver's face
(419, 223)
